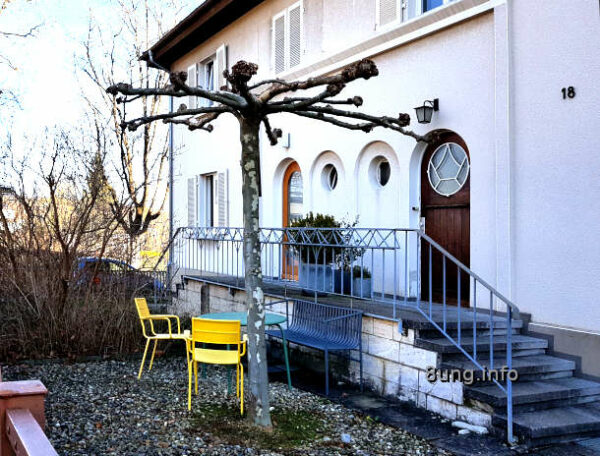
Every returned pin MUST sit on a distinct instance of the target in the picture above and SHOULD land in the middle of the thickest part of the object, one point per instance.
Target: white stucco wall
(556, 163)
(534, 199)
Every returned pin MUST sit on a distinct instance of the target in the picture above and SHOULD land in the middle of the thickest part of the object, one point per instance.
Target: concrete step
(518, 342)
(466, 323)
(535, 367)
(481, 332)
(554, 425)
(538, 395)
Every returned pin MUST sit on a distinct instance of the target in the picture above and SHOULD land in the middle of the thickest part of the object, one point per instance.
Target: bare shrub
(52, 214)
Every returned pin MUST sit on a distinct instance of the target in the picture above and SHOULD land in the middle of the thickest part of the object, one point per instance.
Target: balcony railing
(390, 271)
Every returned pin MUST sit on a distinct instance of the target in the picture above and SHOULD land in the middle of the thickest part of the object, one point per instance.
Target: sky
(45, 81)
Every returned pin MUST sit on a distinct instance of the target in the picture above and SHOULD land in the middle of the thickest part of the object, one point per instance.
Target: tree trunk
(257, 346)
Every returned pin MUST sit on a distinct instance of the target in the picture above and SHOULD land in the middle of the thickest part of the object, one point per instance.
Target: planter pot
(365, 291)
(342, 282)
(316, 277)
(356, 286)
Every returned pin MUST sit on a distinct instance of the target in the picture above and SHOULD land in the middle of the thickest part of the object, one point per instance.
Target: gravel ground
(100, 408)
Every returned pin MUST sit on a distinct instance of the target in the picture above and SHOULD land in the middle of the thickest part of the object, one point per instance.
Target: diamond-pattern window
(448, 169)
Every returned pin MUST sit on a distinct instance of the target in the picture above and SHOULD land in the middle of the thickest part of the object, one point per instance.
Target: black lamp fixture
(425, 112)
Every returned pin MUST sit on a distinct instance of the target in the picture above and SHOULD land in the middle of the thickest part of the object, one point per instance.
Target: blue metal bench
(324, 327)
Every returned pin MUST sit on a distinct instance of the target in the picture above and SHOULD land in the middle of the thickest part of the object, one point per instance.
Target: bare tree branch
(178, 90)
(197, 123)
(364, 69)
(27, 34)
(273, 134)
(134, 124)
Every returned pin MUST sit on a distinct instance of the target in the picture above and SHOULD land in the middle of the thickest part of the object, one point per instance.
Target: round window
(448, 169)
(383, 172)
(330, 177)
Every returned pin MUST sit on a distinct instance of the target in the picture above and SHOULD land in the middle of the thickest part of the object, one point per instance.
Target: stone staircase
(550, 404)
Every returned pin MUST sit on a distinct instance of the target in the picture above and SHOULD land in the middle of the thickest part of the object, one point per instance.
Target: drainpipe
(171, 191)
(509, 141)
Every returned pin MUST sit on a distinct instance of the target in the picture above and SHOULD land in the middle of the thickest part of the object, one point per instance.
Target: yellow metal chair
(150, 333)
(223, 333)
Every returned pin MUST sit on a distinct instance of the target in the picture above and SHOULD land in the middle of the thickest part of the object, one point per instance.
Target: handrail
(337, 261)
(512, 309)
(470, 272)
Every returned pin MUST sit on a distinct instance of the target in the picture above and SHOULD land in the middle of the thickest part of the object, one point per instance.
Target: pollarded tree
(253, 105)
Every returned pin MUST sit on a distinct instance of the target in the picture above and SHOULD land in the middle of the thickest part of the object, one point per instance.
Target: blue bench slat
(324, 327)
(310, 341)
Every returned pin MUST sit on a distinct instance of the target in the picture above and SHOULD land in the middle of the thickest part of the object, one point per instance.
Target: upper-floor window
(287, 40)
(394, 11)
(207, 74)
(208, 200)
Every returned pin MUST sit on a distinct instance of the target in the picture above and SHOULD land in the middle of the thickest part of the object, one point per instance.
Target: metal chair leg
(153, 353)
(326, 372)
(195, 376)
(143, 359)
(242, 389)
(286, 357)
(190, 385)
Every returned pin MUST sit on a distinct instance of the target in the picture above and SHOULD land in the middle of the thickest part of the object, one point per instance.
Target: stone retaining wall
(392, 364)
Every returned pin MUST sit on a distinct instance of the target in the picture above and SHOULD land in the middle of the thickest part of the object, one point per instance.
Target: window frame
(205, 200)
(202, 81)
(401, 7)
(285, 13)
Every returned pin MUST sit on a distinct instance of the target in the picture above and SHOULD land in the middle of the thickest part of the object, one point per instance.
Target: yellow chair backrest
(222, 332)
(142, 308)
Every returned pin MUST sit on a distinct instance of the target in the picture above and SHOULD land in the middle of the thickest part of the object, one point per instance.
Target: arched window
(448, 169)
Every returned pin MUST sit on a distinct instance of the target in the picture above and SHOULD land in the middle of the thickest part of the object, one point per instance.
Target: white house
(511, 188)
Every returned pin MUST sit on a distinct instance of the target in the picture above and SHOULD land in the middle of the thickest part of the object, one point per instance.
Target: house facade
(510, 187)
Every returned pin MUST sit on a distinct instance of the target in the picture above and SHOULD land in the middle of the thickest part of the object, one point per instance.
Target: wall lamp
(425, 112)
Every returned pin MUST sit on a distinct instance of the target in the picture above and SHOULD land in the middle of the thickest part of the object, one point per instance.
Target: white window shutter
(387, 11)
(192, 81)
(295, 35)
(192, 201)
(279, 43)
(221, 65)
(222, 199)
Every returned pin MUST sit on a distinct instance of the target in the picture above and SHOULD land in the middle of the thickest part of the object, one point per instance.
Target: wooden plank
(25, 435)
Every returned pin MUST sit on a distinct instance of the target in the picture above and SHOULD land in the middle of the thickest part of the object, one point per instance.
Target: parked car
(107, 272)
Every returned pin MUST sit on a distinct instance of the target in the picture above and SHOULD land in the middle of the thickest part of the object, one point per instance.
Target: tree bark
(257, 349)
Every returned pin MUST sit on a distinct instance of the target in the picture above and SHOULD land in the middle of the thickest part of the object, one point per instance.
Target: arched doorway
(445, 209)
(293, 209)
(293, 196)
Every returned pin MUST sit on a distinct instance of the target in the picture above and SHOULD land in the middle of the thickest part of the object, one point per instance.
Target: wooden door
(292, 210)
(445, 207)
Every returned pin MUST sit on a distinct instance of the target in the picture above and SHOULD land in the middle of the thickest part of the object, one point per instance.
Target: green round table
(271, 319)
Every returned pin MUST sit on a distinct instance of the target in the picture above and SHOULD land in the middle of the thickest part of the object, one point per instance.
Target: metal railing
(397, 270)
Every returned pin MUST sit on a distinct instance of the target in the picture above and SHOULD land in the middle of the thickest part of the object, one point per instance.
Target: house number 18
(568, 92)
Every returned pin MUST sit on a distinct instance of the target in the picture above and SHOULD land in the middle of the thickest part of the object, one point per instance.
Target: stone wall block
(384, 348)
(409, 338)
(384, 328)
(417, 357)
(441, 407)
(472, 416)
(450, 391)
